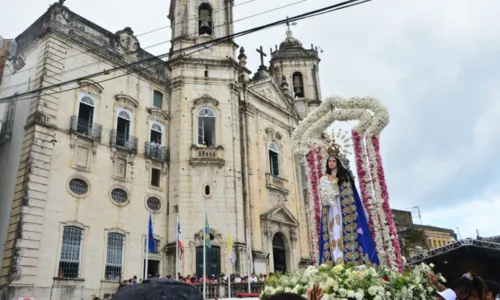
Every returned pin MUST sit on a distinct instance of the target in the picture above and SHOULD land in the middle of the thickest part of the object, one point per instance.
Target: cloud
(434, 64)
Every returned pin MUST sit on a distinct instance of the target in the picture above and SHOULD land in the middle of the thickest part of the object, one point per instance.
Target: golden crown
(338, 144)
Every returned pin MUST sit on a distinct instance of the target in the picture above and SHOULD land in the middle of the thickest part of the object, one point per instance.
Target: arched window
(298, 85)
(274, 157)
(205, 19)
(206, 127)
(156, 133)
(71, 252)
(123, 127)
(85, 114)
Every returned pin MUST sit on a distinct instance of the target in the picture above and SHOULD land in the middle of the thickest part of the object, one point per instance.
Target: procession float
(353, 238)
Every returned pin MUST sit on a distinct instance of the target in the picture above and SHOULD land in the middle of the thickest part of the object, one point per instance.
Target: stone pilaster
(24, 236)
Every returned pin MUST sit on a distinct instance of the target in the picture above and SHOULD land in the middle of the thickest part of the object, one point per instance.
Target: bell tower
(199, 21)
(300, 68)
(204, 137)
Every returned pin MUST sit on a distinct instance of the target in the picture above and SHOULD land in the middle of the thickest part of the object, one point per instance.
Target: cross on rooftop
(262, 54)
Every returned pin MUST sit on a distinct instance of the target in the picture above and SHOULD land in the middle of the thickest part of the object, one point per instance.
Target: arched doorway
(279, 254)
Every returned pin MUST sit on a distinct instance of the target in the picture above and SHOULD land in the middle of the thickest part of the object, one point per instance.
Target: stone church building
(86, 164)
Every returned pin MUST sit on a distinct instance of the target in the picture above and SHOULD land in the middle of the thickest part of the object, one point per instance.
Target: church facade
(88, 163)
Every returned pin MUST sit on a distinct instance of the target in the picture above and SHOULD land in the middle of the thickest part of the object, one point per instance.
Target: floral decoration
(357, 283)
(306, 140)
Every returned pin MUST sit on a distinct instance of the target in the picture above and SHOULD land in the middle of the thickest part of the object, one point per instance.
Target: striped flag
(179, 239)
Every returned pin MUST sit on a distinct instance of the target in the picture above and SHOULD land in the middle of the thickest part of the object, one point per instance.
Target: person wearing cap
(447, 294)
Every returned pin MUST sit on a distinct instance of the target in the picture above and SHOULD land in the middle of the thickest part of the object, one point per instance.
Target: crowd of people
(195, 279)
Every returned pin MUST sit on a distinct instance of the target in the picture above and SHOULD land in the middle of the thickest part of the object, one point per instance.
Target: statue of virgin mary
(344, 236)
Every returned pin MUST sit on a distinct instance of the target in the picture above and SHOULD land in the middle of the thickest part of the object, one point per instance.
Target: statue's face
(332, 163)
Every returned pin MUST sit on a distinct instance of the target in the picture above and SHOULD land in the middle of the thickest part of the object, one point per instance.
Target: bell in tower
(298, 85)
(205, 19)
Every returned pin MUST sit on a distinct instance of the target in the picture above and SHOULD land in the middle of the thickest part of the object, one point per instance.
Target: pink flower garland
(358, 154)
(314, 213)
(385, 197)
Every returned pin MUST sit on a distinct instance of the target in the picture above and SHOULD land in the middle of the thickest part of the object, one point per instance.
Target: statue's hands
(315, 293)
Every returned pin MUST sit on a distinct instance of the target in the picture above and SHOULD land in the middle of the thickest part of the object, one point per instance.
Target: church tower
(205, 152)
(299, 67)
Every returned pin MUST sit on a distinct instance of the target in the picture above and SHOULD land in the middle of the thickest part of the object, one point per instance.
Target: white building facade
(86, 164)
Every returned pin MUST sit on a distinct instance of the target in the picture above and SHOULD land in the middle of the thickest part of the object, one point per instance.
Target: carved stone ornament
(207, 156)
(156, 114)
(126, 101)
(127, 41)
(280, 219)
(90, 86)
(205, 99)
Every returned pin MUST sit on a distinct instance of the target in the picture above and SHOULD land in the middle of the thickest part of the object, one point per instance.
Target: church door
(279, 254)
(213, 261)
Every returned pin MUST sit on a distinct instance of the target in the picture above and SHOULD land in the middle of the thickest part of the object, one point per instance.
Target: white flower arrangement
(357, 283)
(373, 118)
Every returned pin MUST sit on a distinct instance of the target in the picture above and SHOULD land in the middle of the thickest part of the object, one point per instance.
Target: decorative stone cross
(262, 54)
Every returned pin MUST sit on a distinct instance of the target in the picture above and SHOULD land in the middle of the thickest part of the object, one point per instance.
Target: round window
(153, 203)
(119, 196)
(78, 186)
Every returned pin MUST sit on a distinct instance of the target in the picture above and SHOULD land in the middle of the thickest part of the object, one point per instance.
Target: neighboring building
(421, 238)
(87, 163)
(403, 219)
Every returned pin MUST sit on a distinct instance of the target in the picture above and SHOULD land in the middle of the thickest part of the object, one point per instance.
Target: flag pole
(204, 248)
(147, 252)
(229, 265)
(249, 250)
(177, 249)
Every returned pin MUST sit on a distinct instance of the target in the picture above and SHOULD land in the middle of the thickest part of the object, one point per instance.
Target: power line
(104, 46)
(317, 12)
(150, 46)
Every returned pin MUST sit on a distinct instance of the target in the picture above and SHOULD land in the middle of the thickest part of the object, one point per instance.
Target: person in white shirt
(252, 278)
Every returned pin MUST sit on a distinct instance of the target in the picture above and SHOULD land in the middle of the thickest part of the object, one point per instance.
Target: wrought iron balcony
(6, 131)
(276, 183)
(85, 127)
(122, 140)
(156, 151)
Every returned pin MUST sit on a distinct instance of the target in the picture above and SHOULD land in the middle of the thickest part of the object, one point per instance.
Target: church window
(153, 204)
(207, 190)
(206, 127)
(274, 159)
(155, 177)
(85, 114)
(205, 19)
(213, 265)
(124, 128)
(71, 252)
(298, 85)
(114, 258)
(157, 99)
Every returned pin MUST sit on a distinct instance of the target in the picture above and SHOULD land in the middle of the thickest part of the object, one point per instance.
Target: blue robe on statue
(345, 236)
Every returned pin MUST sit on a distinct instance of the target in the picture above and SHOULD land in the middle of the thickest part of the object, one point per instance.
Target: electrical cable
(147, 47)
(342, 5)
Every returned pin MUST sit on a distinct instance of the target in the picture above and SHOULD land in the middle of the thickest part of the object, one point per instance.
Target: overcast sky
(434, 64)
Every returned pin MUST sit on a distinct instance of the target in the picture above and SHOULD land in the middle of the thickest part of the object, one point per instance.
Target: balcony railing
(156, 151)
(6, 130)
(207, 155)
(220, 290)
(123, 141)
(276, 183)
(84, 127)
